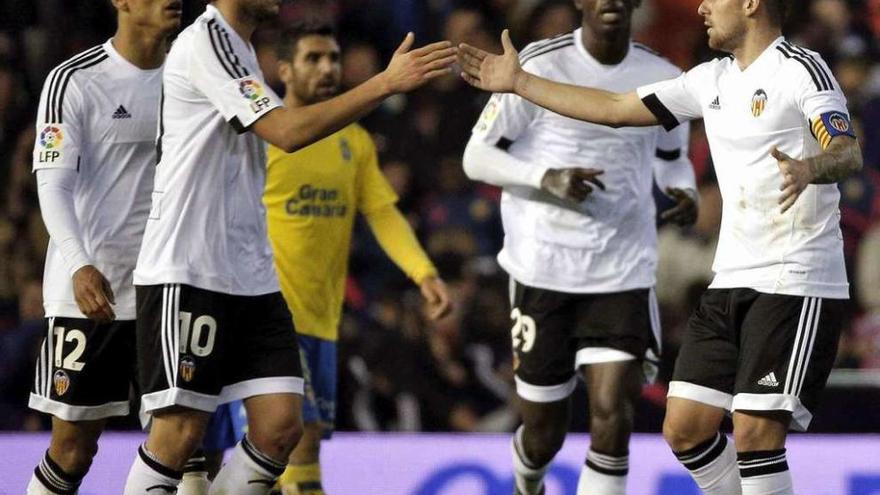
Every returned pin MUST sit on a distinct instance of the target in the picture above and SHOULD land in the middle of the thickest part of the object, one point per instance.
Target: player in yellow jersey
(311, 198)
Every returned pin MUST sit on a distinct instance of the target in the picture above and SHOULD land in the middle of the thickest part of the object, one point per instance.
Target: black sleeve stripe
(815, 63)
(214, 37)
(668, 155)
(58, 109)
(820, 83)
(161, 125)
(229, 53)
(545, 51)
(503, 144)
(666, 118)
(57, 75)
(544, 44)
(237, 126)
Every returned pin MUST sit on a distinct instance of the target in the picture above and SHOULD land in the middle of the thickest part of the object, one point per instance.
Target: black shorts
(555, 333)
(85, 369)
(750, 351)
(198, 348)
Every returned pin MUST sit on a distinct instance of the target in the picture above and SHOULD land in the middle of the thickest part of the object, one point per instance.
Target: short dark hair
(778, 10)
(285, 48)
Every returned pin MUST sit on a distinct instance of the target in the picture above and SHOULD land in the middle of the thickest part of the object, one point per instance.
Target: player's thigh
(319, 362)
(274, 415)
(705, 370)
(615, 327)
(84, 369)
(543, 347)
(788, 347)
(183, 335)
(613, 388)
(263, 355)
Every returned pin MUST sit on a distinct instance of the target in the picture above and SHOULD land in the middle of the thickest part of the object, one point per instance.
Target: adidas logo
(769, 380)
(121, 113)
(716, 104)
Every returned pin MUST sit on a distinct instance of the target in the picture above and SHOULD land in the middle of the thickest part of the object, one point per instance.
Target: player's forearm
(55, 191)
(399, 242)
(303, 126)
(842, 158)
(489, 164)
(582, 103)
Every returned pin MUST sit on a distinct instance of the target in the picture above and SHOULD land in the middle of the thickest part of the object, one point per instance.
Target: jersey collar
(123, 63)
(766, 57)
(215, 13)
(579, 44)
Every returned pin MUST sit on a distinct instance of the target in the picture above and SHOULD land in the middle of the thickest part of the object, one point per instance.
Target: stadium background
(399, 372)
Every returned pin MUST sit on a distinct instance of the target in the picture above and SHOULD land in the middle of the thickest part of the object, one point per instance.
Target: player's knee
(74, 453)
(610, 426)
(278, 438)
(683, 435)
(759, 433)
(542, 444)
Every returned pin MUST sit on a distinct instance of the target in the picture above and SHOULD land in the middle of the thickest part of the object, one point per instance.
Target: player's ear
(750, 7)
(120, 5)
(285, 70)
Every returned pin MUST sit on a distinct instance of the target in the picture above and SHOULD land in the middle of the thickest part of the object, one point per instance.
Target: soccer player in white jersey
(762, 341)
(212, 324)
(94, 158)
(581, 261)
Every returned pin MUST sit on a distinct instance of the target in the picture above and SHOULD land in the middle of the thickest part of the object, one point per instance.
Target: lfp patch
(250, 89)
(831, 124)
(51, 137)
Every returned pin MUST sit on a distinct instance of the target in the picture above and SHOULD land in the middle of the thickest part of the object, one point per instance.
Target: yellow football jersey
(311, 199)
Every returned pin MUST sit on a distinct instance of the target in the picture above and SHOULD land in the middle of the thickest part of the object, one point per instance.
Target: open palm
(495, 73)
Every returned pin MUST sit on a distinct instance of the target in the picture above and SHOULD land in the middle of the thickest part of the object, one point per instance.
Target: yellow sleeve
(399, 242)
(373, 190)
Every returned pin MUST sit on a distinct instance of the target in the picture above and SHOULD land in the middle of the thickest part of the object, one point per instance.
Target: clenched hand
(93, 294)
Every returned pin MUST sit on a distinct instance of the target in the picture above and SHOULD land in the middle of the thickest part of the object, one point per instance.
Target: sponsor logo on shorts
(759, 102)
(187, 368)
(769, 380)
(61, 382)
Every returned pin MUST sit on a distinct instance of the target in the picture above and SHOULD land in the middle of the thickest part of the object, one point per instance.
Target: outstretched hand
(571, 184)
(796, 176)
(495, 73)
(410, 68)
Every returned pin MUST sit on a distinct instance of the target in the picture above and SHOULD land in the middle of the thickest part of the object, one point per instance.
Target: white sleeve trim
(55, 189)
(492, 165)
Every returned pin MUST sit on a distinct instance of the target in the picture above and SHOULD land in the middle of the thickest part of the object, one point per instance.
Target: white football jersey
(207, 225)
(787, 98)
(97, 115)
(608, 242)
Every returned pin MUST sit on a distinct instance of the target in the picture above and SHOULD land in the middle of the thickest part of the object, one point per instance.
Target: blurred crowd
(398, 371)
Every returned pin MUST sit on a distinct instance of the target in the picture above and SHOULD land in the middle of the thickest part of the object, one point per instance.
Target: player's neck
(754, 43)
(608, 49)
(243, 24)
(290, 99)
(144, 49)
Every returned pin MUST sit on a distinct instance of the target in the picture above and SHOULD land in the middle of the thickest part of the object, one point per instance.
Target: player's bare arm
(292, 129)
(842, 158)
(504, 74)
(572, 184)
